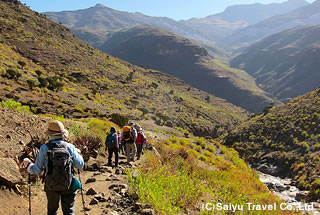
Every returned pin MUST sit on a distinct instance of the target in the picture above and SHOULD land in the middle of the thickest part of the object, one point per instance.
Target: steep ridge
(284, 64)
(177, 56)
(309, 14)
(285, 138)
(43, 65)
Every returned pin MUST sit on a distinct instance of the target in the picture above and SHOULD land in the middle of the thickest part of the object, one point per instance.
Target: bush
(13, 105)
(211, 149)
(38, 72)
(185, 142)
(54, 83)
(31, 83)
(12, 74)
(88, 145)
(119, 119)
(43, 82)
(22, 63)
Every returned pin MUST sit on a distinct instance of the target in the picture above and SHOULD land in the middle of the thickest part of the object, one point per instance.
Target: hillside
(237, 17)
(197, 169)
(177, 56)
(309, 14)
(286, 139)
(43, 65)
(284, 64)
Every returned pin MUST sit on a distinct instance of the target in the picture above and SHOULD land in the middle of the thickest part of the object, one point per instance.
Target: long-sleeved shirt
(42, 158)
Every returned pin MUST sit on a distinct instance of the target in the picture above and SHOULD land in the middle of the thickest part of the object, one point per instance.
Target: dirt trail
(110, 201)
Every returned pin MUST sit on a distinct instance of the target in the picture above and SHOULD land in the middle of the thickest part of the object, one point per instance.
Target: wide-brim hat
(56, 128)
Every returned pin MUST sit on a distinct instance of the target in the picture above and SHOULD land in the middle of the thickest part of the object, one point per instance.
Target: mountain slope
(43, 65)
(234, 18)
(286, 138)
(284, 64)
(309, 14)
(177, 56)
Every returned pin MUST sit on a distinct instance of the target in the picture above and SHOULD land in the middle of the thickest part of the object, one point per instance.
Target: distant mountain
(237, 17)
(94, 24)
(284, 141)
(309, 14)
(285, 64)
(159, 49)
(254, 13)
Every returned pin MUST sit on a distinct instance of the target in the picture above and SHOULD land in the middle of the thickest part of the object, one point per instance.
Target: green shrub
(31, 83)
(43, 82)
(38, 72)
(211, 149)
(79, 108)
(120, 119)
(174, 139)
(22, 63)
(185, 142)
(12, 74)
(13, 105)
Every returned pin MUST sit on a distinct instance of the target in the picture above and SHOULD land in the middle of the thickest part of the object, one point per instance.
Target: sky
(175, 9)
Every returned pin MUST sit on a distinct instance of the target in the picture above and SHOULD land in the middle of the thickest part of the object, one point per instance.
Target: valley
(229, 104)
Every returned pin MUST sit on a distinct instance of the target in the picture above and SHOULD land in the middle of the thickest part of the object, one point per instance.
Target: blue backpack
(111, 141)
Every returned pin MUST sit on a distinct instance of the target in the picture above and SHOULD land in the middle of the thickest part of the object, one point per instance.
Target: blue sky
(175, 9)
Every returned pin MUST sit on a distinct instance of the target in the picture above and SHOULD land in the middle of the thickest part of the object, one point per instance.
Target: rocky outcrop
(9, 172)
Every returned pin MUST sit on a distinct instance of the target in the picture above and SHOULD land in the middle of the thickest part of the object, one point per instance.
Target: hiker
(121, 146)
(128, 137)
(140, 142)
(54, 156)
(112, 145)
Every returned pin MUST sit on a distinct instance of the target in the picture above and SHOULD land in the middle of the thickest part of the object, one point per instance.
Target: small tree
(31, 84)
(43, 82)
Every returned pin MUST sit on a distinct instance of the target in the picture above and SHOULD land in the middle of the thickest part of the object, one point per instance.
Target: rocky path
(105, 193)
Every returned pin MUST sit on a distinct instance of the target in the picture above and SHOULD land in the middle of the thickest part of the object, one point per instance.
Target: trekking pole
(29, 182)
(83, 203)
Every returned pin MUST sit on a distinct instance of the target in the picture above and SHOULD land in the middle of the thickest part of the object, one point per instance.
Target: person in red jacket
(140, 142)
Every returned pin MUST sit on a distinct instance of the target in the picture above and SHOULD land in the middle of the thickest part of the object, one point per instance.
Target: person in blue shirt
(57, 134)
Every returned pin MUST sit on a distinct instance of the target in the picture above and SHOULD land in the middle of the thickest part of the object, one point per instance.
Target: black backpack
(59, 175)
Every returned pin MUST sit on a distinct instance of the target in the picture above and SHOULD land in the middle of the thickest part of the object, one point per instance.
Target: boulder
(9, 172)
(94, 202)
(90, 180)
(91, 191)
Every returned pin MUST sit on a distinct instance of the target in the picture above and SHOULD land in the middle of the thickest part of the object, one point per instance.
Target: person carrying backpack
(129, 135)
(140, 142)
(57, 158)
(112, 145)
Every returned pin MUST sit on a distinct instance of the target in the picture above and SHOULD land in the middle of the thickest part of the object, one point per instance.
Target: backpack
(127, 134)
(59, 175)
(112, 141)
(141, 138)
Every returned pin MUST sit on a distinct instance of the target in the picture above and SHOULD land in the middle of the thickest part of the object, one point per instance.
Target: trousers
(67, 197)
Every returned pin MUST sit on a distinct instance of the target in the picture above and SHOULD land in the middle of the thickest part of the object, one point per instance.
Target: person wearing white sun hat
(46, 160)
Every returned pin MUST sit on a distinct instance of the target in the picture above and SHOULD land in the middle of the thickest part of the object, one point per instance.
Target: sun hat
(56, 128)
